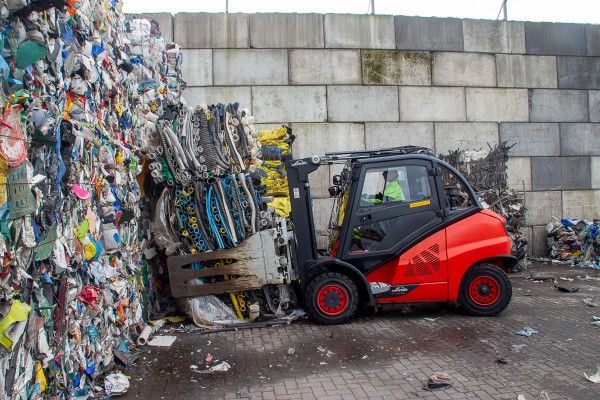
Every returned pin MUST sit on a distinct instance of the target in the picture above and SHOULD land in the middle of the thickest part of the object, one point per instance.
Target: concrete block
(432, 104)
(595, 167)
(464, 136)
(281, 104)
(416, 33)
(395, 134)
(197, 67)
(592, 40)
(318, 139)
(250, 67)
(531, 139)
(493, 36)
(464, 69)
(325, 67)
(280, 31)
(212, 31)
(578, 72)
(580, 139)
(526, 71)
(528, 230)
(560, 173)
(555, 39)
(320, 181)
(321, 214)
(594, 104)
(359, 31)
(519, 173)
(584, 204)
(214, 95)
(549, 105)
(542, 206)
(497, 105)
(392, 67)
(165, 22)
(362, 103)
(539, 241)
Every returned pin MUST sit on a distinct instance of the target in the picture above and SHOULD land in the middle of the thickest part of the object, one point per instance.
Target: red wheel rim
(484, 291)
(332, 300)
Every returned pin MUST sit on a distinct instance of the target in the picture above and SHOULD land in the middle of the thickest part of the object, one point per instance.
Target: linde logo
(299, 163)
(400, 289)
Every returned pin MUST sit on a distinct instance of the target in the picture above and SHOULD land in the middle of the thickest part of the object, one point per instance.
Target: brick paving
(391, 355)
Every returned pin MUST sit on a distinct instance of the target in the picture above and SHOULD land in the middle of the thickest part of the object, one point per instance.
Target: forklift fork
(260, 260)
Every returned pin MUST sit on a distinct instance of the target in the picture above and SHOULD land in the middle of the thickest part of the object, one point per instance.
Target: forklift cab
(408, 228)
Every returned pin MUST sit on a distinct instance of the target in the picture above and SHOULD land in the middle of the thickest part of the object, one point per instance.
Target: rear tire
(485, 290)
(332, 299)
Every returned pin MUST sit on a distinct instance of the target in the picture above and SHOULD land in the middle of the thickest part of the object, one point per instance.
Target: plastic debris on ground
(527, 331)
(438, 382)
(588, 301)
(116, 384)
(574, 241)
(485, 170)
(593, 378)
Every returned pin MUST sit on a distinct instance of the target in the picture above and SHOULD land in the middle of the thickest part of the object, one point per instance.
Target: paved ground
(392, 354)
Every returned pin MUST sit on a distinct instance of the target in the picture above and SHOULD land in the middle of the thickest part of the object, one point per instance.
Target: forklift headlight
(334, 191)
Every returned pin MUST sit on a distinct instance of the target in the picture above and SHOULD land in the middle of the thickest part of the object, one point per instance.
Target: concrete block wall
(361, 81)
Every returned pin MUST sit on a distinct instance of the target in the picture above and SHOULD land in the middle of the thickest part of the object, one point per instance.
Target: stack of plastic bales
(79, 85)
(276, 149)
(485, 170)
(575, 241)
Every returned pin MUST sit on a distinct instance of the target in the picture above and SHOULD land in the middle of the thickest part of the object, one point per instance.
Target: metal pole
(227, 6)
(505, 11)
(373, 7)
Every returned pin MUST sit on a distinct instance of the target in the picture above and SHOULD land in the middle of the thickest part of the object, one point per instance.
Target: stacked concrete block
(465, 136)
(494, 36)
(379, 81)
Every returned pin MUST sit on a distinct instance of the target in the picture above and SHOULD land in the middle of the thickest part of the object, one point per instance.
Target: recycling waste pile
(485, 170)
(574, 241)
(95, 138)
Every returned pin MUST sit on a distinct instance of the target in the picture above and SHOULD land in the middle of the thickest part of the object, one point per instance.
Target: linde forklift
(431, 241)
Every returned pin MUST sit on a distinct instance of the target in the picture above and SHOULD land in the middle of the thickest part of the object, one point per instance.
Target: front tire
(332, 299)
(485, 291)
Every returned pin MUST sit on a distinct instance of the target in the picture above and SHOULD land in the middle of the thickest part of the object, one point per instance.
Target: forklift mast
(302, 211)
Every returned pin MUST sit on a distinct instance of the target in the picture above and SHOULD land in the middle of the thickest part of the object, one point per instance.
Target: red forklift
(406, 228)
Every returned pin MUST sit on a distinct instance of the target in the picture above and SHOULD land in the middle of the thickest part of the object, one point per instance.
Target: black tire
(331, 299)
(485, 290)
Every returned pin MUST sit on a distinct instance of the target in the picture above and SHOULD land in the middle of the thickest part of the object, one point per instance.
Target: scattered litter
(321, 349)
(575, 240)
(127, 359)
(596, 323)
(589, 302)
(502, 360)
(438, 382)
(542, 278)
(329, 354)
(209, 358)
(364, 357)
(162, 341)
(521, 397)
(594, 378)
(431, 319)
(595, 318)
(566, 279)
(322, 363)
(587, 278)
(116, 384)
(223, 366)
(566, 290)
(516, 348)
(291, 351)
(543, 396)
(527, 331)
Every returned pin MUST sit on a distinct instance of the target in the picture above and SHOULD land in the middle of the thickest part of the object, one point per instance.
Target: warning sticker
(420, 203)
(296, 193)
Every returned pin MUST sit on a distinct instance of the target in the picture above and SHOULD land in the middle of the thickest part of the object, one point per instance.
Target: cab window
(385, 185)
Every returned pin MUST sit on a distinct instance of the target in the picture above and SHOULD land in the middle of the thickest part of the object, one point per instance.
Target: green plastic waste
(30, 53)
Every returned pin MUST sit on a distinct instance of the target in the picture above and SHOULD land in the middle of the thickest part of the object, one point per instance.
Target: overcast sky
(583, 11)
